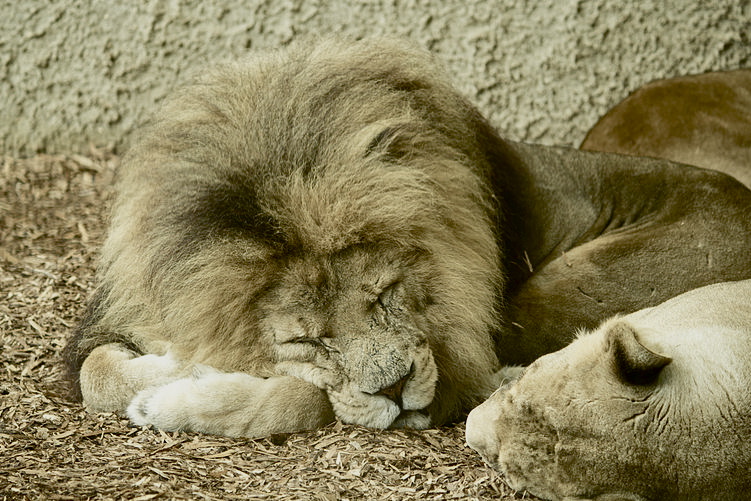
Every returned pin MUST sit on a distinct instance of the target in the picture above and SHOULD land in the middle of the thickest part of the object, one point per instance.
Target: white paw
(231, 404)
(186, 403)
(153, 370)
(197, 402)
(165, 407)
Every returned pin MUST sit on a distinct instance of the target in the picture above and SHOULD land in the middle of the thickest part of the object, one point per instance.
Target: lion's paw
(354, 407)
(165, 407)
(232, 404)
(317, 376)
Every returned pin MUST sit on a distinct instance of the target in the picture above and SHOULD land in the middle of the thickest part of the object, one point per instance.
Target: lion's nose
(394, 391)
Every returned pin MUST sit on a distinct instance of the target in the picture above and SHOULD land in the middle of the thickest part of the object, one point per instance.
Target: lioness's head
(324, 212)
(653, 405)
(567, 429)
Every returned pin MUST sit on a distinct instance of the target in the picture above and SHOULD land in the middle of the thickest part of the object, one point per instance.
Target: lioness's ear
(633, 362)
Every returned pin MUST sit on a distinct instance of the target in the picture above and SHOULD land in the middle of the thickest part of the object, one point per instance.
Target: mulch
(52, 220)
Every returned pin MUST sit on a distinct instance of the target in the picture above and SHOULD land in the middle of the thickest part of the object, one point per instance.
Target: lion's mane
(303, 154)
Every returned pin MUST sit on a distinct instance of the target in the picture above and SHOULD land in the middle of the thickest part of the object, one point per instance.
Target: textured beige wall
(74, 72)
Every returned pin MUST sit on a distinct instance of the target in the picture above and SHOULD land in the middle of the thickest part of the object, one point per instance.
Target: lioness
(702, 120)
(332, 230)
(654, 405)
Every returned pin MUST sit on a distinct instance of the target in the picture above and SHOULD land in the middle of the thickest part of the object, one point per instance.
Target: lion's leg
(233, 404)
(112, 375)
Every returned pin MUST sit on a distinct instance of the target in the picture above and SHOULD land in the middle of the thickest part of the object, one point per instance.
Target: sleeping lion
(332, 231)
(654, 405)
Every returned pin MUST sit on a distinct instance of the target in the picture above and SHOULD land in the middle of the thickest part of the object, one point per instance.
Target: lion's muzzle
(381, 381)
(394, 391)
(387, 380)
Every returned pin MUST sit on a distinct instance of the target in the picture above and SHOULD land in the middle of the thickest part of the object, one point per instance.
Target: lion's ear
(632, 362)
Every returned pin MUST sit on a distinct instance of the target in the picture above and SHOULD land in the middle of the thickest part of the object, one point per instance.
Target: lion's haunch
(702, 120)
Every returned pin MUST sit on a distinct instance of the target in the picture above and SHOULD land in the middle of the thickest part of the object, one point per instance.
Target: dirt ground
(52, 219)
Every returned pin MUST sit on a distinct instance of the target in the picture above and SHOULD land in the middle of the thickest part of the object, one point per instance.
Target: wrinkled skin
(650, 406)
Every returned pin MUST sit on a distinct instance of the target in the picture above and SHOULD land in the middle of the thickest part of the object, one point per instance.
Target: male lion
(652, 405)
(332, 230)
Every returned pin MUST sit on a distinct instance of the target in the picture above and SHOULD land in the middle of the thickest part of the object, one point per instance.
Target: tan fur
(702, 120)
(111, 376)
(332, 230)
(365, 165)
(651, 405)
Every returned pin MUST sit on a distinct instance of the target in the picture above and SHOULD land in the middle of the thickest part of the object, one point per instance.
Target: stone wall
(88, 71)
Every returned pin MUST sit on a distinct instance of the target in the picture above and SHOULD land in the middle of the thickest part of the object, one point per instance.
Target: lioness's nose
(481, 433)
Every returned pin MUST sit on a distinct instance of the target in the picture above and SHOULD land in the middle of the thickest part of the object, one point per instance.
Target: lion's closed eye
(315, 342)
(383, 297)
(388, 296)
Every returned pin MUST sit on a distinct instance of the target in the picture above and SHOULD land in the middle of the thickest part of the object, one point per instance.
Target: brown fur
(702, 120)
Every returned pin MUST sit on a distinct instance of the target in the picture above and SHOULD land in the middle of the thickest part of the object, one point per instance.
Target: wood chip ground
(52, 219)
